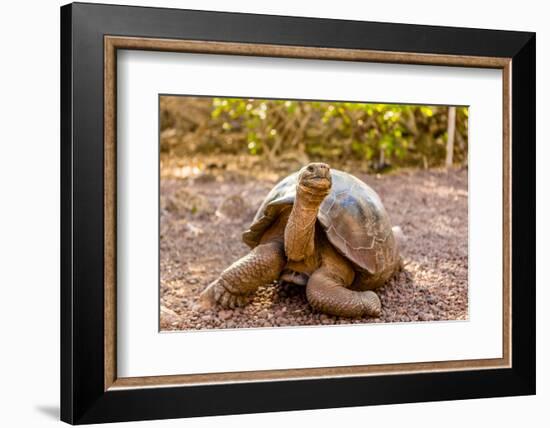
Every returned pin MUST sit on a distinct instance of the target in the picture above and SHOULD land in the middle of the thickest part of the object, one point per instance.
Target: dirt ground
(203, 215)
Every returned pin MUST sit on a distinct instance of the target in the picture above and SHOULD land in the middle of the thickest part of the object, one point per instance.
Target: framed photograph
(267, 213)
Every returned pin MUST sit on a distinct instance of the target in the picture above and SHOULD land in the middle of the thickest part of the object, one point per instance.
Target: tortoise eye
(310, 168)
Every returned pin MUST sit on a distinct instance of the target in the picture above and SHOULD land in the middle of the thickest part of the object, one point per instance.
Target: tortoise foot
(372, 304)
(227, 299)
(205, 301)
(216, 293)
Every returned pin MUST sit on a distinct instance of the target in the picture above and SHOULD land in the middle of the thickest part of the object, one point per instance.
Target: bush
(380, 134)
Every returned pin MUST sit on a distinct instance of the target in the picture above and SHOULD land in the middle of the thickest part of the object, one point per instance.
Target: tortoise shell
(352, 216)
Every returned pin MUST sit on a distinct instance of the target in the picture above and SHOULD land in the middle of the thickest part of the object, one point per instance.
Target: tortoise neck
(300, 228)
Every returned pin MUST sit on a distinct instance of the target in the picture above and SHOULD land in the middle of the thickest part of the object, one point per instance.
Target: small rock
(431, 300)
(194, 230)
(423, 316)
(167, 311)
(263, 313)
(225, 314)
(232, 207)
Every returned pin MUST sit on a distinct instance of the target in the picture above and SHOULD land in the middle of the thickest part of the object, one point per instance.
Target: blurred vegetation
(381, 136)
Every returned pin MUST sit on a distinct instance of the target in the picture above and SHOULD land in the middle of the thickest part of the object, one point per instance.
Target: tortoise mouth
(317, 183)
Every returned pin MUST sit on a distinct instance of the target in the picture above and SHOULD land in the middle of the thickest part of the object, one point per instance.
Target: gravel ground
(203, 216)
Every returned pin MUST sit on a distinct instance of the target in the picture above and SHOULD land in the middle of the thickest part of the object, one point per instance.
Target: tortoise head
(315, 179)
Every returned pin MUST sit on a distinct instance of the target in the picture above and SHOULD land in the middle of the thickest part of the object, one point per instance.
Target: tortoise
(320, 228)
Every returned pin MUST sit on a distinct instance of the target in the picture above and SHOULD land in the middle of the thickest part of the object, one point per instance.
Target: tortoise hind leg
(328, 289)
(365, 281)
(236, 283)
(328, 293)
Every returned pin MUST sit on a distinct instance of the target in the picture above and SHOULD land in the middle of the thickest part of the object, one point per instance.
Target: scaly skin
(327, 289)
(236, 283)
(300, 228)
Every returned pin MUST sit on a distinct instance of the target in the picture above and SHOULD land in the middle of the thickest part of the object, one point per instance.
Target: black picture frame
(83, 396)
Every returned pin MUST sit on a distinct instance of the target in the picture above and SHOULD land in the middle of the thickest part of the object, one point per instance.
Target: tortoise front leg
(236, 283)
